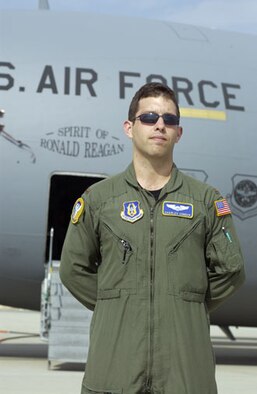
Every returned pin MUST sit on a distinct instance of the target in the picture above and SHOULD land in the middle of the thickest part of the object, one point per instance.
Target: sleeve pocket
(225, 255)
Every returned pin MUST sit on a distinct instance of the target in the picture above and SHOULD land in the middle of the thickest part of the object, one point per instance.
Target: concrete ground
(24, 366)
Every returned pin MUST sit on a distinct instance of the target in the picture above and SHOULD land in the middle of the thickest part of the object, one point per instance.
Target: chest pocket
(187, 274)
(118, 269)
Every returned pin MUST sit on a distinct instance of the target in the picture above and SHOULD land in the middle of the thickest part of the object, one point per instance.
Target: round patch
(246, 193)
(77, 210)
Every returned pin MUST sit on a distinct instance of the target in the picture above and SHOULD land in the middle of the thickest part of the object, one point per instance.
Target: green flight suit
(151, 271)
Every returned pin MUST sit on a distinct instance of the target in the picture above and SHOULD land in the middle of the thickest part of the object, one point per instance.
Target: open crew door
(65, 322)
(64, 191)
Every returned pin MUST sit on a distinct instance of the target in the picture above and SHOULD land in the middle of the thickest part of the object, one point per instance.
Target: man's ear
(127, 126)
(179, 133)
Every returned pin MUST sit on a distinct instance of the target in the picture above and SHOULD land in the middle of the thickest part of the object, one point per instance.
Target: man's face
(154, 140)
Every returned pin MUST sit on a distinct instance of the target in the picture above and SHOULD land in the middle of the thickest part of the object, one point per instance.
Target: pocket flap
(108, 294)
(87, 390)
(194, 297)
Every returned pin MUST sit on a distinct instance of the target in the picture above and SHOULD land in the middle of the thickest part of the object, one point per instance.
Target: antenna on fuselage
(43, 5)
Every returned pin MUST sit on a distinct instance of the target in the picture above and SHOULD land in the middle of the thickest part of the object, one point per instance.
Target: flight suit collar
(173, 184)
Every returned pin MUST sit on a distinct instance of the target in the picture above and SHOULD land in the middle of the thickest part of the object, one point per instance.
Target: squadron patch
(131, 211)
(222, 207)
(180, 209)
(77, 210)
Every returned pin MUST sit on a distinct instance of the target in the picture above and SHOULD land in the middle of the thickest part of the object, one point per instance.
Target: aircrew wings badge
(131, 211)
(180, 209)
(77, 210)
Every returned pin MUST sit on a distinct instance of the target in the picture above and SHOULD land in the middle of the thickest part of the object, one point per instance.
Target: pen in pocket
(227, 235)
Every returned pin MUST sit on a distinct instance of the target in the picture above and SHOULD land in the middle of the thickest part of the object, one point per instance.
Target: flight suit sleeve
(80, 255)
(225, 266)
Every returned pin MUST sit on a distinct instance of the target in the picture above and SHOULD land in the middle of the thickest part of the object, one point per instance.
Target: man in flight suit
(152, 252)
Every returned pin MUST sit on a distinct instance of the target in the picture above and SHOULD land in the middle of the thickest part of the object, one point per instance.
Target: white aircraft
(66, 80)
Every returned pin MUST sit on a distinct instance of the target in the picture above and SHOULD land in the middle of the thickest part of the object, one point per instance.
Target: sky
(232, 15)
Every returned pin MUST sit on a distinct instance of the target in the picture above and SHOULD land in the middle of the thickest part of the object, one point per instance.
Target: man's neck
(152, 175)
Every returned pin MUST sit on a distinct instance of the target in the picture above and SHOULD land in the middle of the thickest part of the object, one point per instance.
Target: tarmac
(24, 365)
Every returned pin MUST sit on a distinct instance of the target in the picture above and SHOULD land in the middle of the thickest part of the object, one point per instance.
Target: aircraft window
(190, 33)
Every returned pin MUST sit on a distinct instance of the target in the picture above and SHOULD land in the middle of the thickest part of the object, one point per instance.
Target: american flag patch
(222, 207)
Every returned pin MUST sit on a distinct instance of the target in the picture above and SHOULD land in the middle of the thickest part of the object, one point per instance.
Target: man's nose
(160, 125)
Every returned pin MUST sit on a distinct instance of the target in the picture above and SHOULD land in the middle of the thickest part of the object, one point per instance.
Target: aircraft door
(63, 191)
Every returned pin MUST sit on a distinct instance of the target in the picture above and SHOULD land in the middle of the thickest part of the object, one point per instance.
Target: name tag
(180, 209)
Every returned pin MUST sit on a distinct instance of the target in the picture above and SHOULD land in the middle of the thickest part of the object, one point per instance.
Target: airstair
(65, 323)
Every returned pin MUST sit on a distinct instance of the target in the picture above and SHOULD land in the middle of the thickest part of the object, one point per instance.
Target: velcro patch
(222, 207)
(131, 211)
(180, 209)
(77, 210)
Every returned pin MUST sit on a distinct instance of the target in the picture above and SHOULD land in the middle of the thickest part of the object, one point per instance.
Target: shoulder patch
(131, 211)
(77, 210)
(222, 207)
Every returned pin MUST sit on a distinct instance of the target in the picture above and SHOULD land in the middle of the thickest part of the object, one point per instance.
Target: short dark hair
(152, 89)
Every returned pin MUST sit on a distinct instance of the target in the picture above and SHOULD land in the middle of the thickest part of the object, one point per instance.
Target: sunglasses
(152, 118)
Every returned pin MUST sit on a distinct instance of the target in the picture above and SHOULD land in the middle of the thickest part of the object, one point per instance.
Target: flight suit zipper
(151, 303)
(127, 249)
(186, 235)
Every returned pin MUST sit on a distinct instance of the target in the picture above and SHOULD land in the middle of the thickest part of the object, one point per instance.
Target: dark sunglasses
(152, 118)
